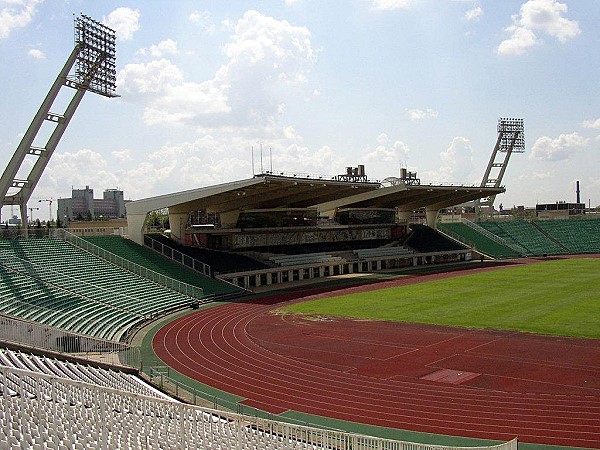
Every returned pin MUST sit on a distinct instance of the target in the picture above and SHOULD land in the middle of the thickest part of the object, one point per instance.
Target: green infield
(558, 297)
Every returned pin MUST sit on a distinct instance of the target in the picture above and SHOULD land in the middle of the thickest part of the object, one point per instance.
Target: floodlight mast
(511, 139)
(93, 57)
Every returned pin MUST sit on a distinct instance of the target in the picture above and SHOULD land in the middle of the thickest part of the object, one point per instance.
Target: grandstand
(53, 282)
(516, 238)
(38, 410)
(145, 257)
(480, 242)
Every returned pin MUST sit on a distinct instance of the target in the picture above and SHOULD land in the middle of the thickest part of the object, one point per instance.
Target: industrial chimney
(578, 193)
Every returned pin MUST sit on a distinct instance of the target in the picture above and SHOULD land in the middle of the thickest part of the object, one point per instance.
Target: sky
(319, 85)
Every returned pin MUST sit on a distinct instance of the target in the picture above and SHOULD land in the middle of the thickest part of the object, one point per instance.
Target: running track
(481, 384)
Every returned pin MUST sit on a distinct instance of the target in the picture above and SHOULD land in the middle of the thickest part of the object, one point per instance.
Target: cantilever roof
(411, 197)
(260, 192)
(270, 191)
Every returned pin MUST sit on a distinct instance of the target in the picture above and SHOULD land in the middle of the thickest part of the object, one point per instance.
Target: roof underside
(268, 192)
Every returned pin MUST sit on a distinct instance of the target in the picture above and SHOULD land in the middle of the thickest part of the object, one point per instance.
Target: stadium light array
(512, 134)
(95, 68)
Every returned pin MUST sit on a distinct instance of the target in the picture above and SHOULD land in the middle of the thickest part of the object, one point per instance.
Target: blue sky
(323, 84)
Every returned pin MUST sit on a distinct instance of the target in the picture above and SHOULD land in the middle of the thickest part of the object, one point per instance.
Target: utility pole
(49, 200)
(31, 213)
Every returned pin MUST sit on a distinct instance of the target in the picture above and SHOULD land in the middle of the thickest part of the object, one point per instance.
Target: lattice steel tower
(511, 139)
(90, 67)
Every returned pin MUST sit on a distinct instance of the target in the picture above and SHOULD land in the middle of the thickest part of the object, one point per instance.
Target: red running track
(471, 383)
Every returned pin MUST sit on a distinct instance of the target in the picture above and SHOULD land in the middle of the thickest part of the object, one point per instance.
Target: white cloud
(386, 157)
(591, 123)
(154, 77)
(122, 155)
(264, 55)
(163, 48)
(81, 168)
(420, 114)
(203, 20)
(559, 149)
(535, 176)
(125, 21)
(388, 5)
(520, 40)
(457, 164)
(545, 16)
(36, 54)
(16, 14)
(200, 17)
(474, 13)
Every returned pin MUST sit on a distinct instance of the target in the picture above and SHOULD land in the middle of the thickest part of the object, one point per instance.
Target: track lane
(214, 347)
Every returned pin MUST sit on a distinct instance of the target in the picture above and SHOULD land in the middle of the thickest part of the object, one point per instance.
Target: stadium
(293, 311)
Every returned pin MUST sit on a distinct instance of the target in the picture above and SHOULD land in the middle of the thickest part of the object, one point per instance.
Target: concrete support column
(256, 280)
(246, 281)
(135, 227)
(178, 222)
(229, 218)
(432, 215)
(404, 219)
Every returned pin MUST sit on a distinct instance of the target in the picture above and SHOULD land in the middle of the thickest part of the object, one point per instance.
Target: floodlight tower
(90, 67)
(511, 139)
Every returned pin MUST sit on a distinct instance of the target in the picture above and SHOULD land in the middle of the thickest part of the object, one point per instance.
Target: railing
(516, 248)
(33, 334)
(163, 280)
(177, 256)
(112, 415)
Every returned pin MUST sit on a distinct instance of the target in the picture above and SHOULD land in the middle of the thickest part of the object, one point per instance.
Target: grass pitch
(559, 297)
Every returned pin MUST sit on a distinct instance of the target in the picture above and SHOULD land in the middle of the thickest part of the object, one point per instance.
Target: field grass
(559, 297)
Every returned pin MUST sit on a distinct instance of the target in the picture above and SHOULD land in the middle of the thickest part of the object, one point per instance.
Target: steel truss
(94, 60)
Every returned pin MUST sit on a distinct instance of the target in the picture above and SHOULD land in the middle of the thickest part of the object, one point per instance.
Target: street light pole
(49, 200)
(31, 213)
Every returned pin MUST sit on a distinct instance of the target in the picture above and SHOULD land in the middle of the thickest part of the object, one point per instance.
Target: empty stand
(479, 241)
(425, 239)
(53, 282)
(381, 252)
(575, 235)
(40, 411)
(220, 262)
(86, 373)
(306, 258)
(526, 235)
(145, 257)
